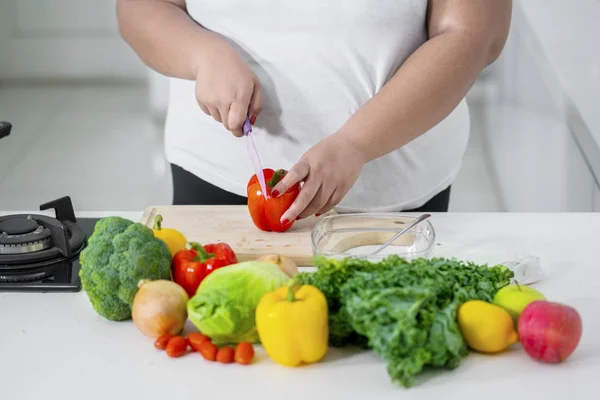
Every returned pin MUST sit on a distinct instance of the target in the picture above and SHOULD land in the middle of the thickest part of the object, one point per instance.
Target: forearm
(164, 36)
(428, 86)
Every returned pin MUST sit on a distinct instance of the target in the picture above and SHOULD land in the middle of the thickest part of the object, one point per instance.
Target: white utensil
(420, 219)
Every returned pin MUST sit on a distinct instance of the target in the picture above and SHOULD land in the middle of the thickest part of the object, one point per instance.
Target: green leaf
(404, 311)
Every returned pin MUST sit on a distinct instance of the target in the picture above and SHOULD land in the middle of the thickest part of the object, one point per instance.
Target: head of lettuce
(224, 305)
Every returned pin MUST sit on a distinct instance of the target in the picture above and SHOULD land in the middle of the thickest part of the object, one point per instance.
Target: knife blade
(254, 157)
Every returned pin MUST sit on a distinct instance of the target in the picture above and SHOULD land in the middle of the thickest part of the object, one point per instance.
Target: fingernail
(253, 119)
(285, 222)
(275, 193)
(317, 215)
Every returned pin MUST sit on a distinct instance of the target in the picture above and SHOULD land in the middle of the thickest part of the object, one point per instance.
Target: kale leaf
(330, 276)
(404, 311)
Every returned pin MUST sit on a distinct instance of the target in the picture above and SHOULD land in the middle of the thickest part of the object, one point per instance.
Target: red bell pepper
(266, 213)
(194, 263)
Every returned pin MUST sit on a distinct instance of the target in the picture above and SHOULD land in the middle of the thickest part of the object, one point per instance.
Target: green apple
(514, 299)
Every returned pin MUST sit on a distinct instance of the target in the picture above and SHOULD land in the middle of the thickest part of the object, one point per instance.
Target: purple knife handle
(247, 127)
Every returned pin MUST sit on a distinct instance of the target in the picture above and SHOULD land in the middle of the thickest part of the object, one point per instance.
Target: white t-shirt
(318, 62)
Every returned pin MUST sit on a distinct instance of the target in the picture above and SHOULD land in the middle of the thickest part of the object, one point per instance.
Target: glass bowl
(357, 235)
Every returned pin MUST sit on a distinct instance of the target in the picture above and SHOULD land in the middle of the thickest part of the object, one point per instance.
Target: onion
(285, 264)
(159, 307)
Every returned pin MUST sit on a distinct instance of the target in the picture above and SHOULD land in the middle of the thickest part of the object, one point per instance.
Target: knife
(247, 130)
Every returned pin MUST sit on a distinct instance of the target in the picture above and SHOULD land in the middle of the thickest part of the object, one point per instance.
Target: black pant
(190, 190)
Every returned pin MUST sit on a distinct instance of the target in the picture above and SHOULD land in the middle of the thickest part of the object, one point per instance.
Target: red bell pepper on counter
(194, 263)
(266, 213)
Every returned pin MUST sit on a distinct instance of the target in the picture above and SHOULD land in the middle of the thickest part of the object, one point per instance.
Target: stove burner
(27, 277)
(39, 253)
(18, 226)
(31, 241)
(23, 235)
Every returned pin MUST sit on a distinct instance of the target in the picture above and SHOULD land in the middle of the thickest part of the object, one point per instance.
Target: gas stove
(39, 253)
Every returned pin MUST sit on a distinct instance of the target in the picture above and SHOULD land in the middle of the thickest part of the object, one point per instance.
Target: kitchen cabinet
(64, 39)
(537, 163)
(596, 199)
(578, 195)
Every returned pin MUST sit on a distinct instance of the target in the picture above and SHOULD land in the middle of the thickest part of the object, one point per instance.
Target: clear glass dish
(357, 235)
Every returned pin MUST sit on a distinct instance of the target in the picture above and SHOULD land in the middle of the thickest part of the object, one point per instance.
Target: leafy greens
(405, 311)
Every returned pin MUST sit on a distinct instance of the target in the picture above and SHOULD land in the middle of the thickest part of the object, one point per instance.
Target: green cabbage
(224, 305)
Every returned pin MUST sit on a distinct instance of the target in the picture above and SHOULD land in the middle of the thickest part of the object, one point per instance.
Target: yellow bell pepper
(174, 239)
(292, 324)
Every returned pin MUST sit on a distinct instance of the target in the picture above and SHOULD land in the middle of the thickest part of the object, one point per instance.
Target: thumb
(256, 102)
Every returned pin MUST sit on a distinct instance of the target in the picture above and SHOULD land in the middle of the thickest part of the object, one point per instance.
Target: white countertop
(565, 35)
(54, 346)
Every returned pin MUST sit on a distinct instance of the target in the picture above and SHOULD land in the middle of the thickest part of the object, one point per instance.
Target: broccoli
(119, 254)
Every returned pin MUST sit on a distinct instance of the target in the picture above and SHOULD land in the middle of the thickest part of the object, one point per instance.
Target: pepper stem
(201, 254)
(158, 219)
(276, 178)
(292, 289)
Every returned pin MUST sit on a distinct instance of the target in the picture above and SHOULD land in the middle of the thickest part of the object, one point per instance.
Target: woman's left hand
(328, 170)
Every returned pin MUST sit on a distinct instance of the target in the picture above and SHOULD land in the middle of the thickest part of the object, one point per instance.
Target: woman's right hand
(227, 89)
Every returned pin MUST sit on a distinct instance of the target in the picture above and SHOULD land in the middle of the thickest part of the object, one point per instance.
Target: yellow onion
(159, 307)
(285, 264)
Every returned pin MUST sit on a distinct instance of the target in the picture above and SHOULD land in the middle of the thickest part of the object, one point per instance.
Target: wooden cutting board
(233, 225)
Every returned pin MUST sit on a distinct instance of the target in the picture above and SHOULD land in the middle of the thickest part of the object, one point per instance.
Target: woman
(362, 100)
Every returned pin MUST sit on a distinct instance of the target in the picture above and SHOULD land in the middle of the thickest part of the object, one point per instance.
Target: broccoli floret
(119, 254)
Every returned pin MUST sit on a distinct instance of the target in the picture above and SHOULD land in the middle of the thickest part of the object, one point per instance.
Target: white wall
(159, 94)
(64, 39)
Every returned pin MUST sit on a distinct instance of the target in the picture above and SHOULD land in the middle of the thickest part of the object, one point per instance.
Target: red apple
(549, 332)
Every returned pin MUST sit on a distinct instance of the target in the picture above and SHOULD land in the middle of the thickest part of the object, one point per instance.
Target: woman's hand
(328, 170)
(227, 89)
(169, 41)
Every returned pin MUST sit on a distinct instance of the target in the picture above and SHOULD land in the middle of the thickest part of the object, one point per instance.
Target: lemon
(486, 327)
